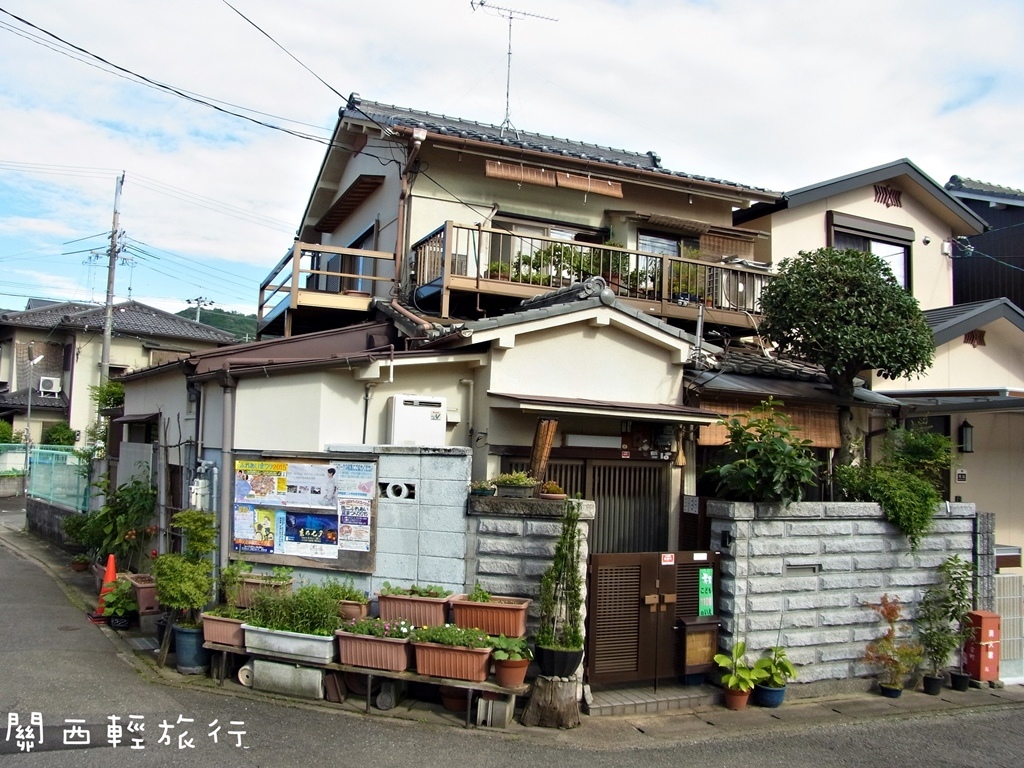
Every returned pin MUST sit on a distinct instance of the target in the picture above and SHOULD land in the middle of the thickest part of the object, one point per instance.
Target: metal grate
(1009, 604)
(633, 514)
(614, 619)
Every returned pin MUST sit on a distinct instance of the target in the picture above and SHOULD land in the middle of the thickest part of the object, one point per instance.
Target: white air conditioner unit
(417, 420)
(738, 291)
(49, 385)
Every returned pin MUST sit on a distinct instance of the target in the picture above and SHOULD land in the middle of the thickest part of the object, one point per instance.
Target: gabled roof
(458, 128)
(948, 323)
(962, 219)
(962, 187)
(129, 318)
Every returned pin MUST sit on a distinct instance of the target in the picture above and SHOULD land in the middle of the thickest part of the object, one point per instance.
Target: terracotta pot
(145, 592)
(418, 611)
(501, 616)
(220, 629)
(77, 565)
(452, 661)
(390, 653)
(351, 609)
(736, 700)
(554, 496)
(509, 673)
(453, 699)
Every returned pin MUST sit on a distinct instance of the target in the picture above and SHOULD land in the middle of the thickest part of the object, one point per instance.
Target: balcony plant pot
(123, 622)
(455, 662)
(453, 699)
(932, 684)
(767, 696)
(389, 653)
(556, 662)
(959, 681)
(554, 496)
(145, 592)
(192, 658)
(250, 583)
(735, 699)
(293, 646)
(352, 609)
(500, 616)
(510, 673)
(223, 630)
(890, 691)
(514, 491)
(420, 611)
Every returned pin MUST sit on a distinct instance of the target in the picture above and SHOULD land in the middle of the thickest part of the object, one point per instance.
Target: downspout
(227, 461)
(418, 136)
(366, 405)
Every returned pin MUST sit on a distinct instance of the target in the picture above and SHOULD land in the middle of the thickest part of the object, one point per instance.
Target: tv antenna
(510, 14)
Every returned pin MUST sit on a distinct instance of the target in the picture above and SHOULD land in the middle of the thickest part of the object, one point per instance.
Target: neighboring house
(461, 220)
(50, 355)
(899, 213)
(989, 265)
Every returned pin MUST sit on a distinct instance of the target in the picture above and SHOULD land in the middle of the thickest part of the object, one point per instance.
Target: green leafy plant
(764, 459)
(737, 675)
(8, 435)
(482, 485)
(777, 667)
(450, 634)
(893, 655)
(479, 594)
(120, 600)
(551, 487)
(417, 590)
(514, 478)
(59, 433)
(121, 527)
(310, 610)
(184, 580)
(375, 626)
(344, 590)
(81, 558)
(510, 648)
(561, 588)
(109, 394)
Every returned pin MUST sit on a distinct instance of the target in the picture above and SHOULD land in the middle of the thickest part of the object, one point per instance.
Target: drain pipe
(366, 405)
(227, 461)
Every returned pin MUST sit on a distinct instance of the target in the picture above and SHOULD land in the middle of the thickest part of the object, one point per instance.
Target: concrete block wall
(802, 576)
(511, 542)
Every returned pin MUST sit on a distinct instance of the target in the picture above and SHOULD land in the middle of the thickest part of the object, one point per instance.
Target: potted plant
(457, 653)
(514, 484)
(352, 603)
(494, 614)
(375, 643)
(423, 605)
(80, 562)
(770, 690)
(119, 604)
(481, 488)
(223, 623)
(184, 584)
(512, 656)
(956, 577)
(552, 490)
(893, 656)
(738, 677)
(279, 578)
(298, 626)
(559, 640)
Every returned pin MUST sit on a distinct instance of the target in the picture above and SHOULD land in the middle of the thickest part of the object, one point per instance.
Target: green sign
(706, 592)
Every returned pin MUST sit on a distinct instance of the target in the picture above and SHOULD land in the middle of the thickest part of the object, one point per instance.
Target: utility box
(981, 652)
(417, 420)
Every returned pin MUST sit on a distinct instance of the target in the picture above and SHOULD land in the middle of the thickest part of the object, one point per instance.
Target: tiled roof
(948, 323)
(750, 362)
(963, 184)
(388, 114)
(130, 318)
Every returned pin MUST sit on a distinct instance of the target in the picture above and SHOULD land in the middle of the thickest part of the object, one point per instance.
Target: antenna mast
(510, 14)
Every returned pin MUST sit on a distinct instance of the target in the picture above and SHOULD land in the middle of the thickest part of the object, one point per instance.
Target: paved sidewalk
(624, 731)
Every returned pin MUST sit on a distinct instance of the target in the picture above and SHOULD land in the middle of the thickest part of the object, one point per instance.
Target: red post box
(981, 652)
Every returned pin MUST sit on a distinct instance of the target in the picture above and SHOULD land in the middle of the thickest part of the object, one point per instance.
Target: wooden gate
(651, 615)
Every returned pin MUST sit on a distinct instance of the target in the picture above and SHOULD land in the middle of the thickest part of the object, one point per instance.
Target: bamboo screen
(817, 423)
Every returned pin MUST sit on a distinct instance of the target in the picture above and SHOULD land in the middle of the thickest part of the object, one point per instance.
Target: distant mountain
(242, 326)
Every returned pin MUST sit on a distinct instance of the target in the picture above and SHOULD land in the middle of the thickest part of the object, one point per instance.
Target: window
(890, 242)
(667, 245)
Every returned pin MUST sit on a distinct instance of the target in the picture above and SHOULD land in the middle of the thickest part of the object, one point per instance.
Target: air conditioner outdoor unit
(49, 385)
(739, 291)
(417, 420)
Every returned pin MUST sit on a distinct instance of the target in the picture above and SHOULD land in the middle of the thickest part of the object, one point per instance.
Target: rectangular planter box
(452, 661)
(220, 629)
(293, 646)
(391, 653)
(145, 592)
(251, 584)
(419, 611)
(502, 616)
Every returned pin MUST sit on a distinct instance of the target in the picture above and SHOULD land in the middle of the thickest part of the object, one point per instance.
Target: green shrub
(60, 433)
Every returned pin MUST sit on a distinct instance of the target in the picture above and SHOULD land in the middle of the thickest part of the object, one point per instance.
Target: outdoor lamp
(965, 437)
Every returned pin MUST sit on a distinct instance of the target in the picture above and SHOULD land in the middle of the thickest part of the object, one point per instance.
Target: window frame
(874, 231)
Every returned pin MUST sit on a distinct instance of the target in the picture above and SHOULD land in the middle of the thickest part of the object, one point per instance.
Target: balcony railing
(489, 260)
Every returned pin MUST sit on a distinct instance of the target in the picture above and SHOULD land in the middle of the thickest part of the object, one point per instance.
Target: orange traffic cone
(109, 577)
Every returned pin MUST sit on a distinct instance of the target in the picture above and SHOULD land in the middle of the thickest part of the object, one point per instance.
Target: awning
(680, 414)
(136, 418)
(940, 406)
(740, 385)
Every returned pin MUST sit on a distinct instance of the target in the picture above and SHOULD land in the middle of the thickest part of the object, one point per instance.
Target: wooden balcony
(460, 271)
(314, 287)
(455, 261)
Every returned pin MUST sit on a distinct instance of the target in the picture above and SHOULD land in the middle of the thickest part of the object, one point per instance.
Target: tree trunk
(553, 704)
(845, 456)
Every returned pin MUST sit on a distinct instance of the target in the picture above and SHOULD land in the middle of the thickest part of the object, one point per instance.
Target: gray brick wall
(802, 576)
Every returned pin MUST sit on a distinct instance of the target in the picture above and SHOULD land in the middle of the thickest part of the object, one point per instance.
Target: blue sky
(778, 95)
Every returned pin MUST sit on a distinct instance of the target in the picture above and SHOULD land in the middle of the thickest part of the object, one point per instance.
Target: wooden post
(553, 703)
(542, 439)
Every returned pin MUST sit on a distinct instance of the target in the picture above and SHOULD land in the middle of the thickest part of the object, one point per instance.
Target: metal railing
(505, 257)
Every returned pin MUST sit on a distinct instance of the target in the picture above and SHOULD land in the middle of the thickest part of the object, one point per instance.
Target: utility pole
(108, 322)
(200, 302)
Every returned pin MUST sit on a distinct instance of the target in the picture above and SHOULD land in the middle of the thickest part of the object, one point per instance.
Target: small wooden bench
(408, 677)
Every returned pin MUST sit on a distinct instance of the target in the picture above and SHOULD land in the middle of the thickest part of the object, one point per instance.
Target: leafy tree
(844, 310)
(59, 433)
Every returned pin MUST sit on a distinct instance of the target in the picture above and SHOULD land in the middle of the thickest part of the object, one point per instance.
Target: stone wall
(802, 576)
(46, 521)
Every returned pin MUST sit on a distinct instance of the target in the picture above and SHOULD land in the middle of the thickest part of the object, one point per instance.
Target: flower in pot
(353, 603)
(559, 639)
(512, 656)
(119, 604)
(738, 677)
(552, 490)
(447, 650)
(375, 643)
(893, 656)
(778, 670)
(516, 484)
(481, 488)
(423, 605)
